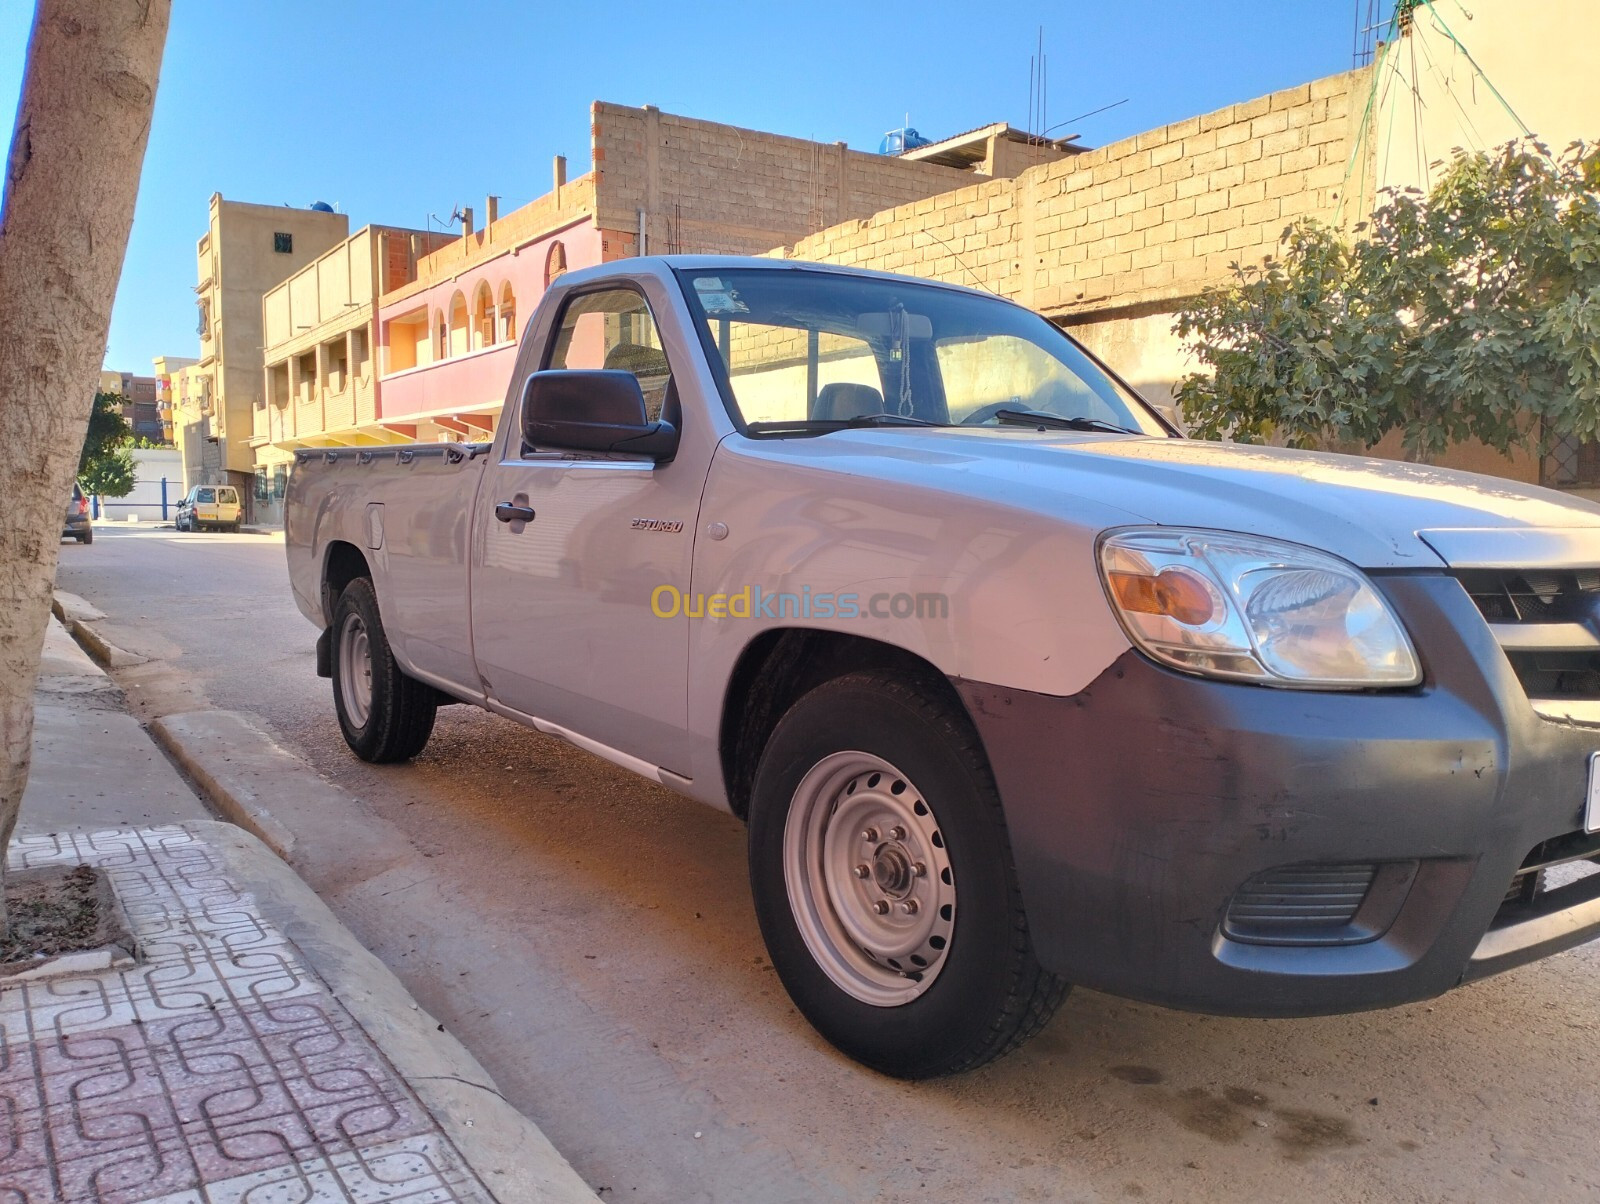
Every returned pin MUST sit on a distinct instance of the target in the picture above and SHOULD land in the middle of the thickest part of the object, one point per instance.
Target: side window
(614, 330)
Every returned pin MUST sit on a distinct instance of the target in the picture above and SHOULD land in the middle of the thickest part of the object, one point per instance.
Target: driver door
(562, 617)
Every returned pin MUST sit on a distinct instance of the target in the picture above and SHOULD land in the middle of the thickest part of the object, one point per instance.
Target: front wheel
(884, 883)
(385, 716)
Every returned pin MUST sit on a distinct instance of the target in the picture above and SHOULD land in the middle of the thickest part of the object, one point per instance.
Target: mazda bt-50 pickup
(1014, 686)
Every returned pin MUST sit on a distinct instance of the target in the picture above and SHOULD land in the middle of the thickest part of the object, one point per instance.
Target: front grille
(1534, 596)
(1550, 867)
(1524, 888)
(1299, 904)
(1548, 623)
(1567, 674)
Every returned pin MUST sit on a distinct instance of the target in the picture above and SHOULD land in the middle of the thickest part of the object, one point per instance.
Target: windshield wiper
(822, 426)
(1058, 422)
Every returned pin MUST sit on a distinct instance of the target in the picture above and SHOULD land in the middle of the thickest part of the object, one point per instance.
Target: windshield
(816, 351)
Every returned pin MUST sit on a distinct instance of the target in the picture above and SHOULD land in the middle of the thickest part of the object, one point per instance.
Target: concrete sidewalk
(255, 1050)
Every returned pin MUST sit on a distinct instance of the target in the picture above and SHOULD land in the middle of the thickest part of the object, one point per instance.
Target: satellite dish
(321, 207)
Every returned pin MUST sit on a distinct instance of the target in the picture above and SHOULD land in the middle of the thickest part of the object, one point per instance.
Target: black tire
(989, 994)
(86, 537)
(399, 716)
(237, 523)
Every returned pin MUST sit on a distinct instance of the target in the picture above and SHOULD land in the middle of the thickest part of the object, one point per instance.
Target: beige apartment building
(320, 384)
(168, 370)
(191, 413)
(246, 250)
(140, 404)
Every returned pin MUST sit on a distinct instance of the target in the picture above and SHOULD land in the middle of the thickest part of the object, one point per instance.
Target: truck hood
(1375, 513)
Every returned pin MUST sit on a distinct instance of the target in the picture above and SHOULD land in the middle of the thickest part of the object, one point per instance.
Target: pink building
(658, 184)
(449, 340)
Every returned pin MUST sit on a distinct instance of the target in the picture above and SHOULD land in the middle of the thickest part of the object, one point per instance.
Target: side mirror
(593, 410)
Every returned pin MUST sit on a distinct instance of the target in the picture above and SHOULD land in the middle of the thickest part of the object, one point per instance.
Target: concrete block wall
(1146, 221)
(709, 187)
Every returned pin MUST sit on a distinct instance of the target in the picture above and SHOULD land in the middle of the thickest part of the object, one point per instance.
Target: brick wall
(708, 187)
(1138, 223)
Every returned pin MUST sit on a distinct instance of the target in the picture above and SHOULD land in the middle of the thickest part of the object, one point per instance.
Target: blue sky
(397, 109)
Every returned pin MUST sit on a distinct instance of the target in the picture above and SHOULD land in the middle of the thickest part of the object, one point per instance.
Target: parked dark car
(78, 525)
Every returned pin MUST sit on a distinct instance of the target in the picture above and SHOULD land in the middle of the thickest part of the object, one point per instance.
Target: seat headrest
(840, 401)
(638, 358)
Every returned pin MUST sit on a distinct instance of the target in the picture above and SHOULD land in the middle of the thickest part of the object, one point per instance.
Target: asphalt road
(606, 968)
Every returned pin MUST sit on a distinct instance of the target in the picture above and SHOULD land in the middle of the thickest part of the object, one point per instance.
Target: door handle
(510, 512)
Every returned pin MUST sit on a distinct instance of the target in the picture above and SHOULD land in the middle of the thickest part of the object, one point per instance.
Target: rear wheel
(884, 883)
(86, 537)
(385, 716)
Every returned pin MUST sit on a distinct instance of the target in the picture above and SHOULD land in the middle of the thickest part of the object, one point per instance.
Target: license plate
(1591, 809)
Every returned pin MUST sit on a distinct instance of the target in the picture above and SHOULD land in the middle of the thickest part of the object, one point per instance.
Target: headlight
(1249, 609)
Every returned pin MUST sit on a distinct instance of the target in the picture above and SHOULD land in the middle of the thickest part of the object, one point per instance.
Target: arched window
(483, 316)
(458, 324)
(555, 264)
(508, 314)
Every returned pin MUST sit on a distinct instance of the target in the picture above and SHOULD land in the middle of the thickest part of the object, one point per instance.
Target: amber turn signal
(1176, 593)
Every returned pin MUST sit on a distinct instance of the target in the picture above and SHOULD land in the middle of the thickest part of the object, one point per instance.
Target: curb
(221, 751)
(102, 649)
(68, 607)
(77, 615)
(507, 1150)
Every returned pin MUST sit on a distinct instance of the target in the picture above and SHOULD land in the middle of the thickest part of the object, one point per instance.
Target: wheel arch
(342, 563)
(778, 666)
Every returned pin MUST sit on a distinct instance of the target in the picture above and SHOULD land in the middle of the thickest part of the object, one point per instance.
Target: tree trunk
(71, 180)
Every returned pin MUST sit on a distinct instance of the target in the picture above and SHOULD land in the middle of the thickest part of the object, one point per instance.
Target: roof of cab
(665, 265)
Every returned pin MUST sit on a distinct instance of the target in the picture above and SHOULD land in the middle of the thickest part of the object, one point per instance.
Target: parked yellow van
(210, 508)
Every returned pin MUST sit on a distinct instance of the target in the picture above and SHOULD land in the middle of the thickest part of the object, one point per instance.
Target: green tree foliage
(1470, 313)
(111, 474)
(105, 465)
(108, 429)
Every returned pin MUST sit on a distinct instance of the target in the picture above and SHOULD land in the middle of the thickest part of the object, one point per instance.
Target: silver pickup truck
(1014, 686)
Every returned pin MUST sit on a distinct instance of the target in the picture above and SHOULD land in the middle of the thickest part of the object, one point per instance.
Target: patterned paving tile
(215, 1071)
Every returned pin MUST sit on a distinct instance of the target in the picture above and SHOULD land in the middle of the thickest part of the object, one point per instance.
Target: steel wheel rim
(882, 935)
(355, 670)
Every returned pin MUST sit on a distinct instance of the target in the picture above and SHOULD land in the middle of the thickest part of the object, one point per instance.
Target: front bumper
(1140, 806)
